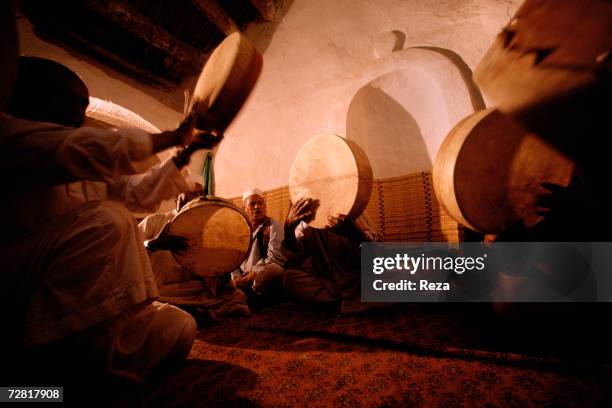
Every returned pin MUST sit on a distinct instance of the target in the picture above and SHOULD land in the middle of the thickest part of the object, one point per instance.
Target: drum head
(218, 233)
(489, 170)
(226, 81)
(336, 172)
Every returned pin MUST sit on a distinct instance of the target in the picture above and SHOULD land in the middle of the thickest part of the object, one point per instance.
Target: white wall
(328, 67)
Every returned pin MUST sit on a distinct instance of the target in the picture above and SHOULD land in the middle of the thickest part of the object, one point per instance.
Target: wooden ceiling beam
(213, 12)
(187, 59)
(109, 58)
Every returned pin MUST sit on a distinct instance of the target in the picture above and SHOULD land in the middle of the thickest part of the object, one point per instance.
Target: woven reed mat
(403, 209)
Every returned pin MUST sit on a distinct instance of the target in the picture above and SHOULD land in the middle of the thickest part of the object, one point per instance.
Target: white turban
(250, 192)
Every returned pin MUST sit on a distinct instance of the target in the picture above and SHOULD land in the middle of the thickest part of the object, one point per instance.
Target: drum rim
(365, 181)
(219, 118)
(446, 177)
(225, 203)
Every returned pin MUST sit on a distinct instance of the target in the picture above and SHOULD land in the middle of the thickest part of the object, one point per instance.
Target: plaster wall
(392, 75)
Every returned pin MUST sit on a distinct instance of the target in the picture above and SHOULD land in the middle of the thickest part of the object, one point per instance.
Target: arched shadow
(388, 134)
(466, 73)
(400, 39)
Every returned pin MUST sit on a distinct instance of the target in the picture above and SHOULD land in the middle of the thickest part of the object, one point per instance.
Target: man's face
(255, 208)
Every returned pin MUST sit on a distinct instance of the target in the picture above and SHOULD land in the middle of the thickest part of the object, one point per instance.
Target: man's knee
(290, 280)
(186, 332)
(271, 276)
(305, 286)
(116, 216)
(94, 234)
(156, 333)
(273, 271)
(107, 219)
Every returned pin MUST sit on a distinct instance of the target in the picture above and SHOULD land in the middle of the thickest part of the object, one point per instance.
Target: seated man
(75, 272)
(217, 295)
(335, 272)
(264, 267)
(66, 98)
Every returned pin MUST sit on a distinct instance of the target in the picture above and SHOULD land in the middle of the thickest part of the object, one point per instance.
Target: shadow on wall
(476, 98)
(389, 135)
(261, 32)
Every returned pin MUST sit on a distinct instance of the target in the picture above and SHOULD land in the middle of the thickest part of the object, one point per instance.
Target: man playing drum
(76, 273)
(216, 295)
(335, 273)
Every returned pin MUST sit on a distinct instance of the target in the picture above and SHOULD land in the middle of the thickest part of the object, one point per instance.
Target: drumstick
(186, 100)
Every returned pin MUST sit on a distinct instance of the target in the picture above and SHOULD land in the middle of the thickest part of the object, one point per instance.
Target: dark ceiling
(158, 42)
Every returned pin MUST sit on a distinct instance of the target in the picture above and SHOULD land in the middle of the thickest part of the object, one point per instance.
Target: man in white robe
(217, 296)
(75, 270)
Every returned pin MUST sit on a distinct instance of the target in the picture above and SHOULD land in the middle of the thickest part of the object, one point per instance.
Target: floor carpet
(413, 356)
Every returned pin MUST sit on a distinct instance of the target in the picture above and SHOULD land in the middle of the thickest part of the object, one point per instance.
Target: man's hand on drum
(342, 225)
(573, 210)
(302, 210)
(193, 139)
(186, 134)
(166, 242)
(191, 135)
(337, 222)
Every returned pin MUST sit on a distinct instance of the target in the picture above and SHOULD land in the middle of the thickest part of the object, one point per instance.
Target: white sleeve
(152, 225)
(45, 153)
(296, 258)
(145, 192)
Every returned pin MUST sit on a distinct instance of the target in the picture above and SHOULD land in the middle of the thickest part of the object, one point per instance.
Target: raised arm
(300, 211)
(40, 153)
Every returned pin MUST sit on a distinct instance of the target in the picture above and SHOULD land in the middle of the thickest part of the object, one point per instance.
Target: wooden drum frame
(226, 81)
(336, 172)
(218, 234)
(489, 170)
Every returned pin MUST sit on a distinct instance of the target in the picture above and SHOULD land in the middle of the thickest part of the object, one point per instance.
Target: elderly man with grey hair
(263, 270)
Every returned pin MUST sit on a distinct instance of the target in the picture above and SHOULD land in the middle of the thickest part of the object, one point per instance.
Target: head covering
(250, 192)
(65, 94)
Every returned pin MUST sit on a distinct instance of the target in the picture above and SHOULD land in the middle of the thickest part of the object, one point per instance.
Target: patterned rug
(240, 363)
(465, 330)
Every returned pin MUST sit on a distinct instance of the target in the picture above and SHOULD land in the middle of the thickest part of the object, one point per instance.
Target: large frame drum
(488, 172)
(336, 172)
(226, 81)
(218, 234)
